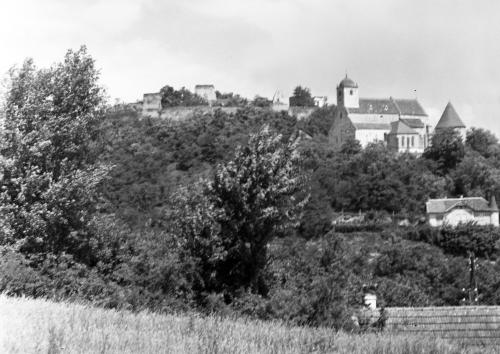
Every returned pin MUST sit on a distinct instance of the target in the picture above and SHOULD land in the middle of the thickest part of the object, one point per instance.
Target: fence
(470, 325)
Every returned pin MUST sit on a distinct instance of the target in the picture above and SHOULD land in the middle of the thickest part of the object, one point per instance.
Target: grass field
(39, 326)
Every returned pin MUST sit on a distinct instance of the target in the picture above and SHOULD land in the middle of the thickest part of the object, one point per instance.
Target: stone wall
(301, 112)
(182, 113)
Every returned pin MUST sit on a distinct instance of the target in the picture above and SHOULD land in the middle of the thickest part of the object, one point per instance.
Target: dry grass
(39, 326)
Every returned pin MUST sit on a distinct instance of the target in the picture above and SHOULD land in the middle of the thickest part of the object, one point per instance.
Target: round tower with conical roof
(347, 94)
(451, 120)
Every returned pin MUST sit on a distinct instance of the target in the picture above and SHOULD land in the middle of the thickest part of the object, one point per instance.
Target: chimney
(370, 301)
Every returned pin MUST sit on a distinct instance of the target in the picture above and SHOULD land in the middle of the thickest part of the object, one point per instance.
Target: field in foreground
(39, 326)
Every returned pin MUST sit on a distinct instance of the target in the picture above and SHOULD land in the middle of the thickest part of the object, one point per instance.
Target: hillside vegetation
(227, 213)
(40, 326)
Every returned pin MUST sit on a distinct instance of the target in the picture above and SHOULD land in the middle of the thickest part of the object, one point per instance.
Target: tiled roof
(399, 127)
(409, 107)
(443, 205)
(405, 107)
(450, 119)
(380, 126)
(413, 122)
(375, 106)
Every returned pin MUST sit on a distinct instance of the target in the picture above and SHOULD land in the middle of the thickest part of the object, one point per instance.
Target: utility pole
(472, 290)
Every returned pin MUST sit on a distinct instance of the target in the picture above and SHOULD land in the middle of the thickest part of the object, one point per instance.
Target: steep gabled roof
(450, 119)
(399, 127)
(375, 106)
(409, 107)
(444, 205)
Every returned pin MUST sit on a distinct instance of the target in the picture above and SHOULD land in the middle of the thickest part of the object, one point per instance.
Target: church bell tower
(347, 94)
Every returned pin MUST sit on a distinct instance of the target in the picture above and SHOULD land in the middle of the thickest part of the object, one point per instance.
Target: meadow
(40, 326)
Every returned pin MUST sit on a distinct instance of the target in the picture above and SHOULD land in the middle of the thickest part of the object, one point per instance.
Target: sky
(436, 50)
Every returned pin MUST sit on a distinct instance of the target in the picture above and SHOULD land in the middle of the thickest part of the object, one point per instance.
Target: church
(401, 123)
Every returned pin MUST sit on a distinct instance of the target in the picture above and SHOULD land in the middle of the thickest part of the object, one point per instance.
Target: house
(320, 101)
(369, 119)
(151, 104)
(207, 92)
(451, 120)
(452, 211)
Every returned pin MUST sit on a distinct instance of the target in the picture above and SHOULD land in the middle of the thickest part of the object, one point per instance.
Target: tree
(234, 215)
(351, 146)
(301, 97)
(483, 141)
(446, 149)
(49, 151)
(183, 97)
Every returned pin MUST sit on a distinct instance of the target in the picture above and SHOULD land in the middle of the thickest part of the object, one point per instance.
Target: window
(412, 141)
(351, 92)
(407, 141)
(402, 141)
(386, 108)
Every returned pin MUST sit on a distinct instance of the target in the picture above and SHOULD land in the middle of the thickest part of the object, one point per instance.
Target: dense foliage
(207, 212)
(171, 97)
(49, 150)
(301, 97)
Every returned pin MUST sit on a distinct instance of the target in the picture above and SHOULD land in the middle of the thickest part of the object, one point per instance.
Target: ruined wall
(301, 112)
(181, 113)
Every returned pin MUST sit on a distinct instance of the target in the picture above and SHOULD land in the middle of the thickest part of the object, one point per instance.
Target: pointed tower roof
(493, 203)
(399, 127)
(450, 118)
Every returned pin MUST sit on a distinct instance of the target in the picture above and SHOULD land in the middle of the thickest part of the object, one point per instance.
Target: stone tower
(347, 94)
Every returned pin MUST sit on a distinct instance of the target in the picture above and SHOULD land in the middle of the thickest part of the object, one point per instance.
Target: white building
(369, 120)
(207, 92)
(453, 211)
(151, 104)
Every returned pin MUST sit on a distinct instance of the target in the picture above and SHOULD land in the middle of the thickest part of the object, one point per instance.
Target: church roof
(450, 118)
(405, 107)
(347, 83)
(399, 127)
(410, 107)
(413, 122)
(380, 126)
(374, 106)
(444, 205)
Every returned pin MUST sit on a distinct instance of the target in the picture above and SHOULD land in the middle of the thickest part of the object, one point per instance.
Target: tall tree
(247, 202)
(446, 149)
(302, 97)
(49, 150)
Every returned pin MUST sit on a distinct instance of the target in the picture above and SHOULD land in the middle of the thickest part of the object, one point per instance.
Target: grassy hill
(39, 326)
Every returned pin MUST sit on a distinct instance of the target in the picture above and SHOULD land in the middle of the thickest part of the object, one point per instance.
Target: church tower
(347, 94)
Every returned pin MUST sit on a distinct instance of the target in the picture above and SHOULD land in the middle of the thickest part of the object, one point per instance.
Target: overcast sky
(445, 50)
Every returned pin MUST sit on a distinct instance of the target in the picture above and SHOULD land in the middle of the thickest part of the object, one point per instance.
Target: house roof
(399, 127)
(203, 86)
(450, 118)
(413, 122)
(379, 126)
(346, 82)
(444, 205)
